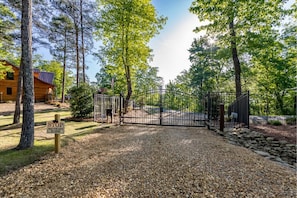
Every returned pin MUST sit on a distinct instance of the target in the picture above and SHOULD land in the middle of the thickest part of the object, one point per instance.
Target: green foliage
(125, 28)
(8, 24)
(56, 68)
(274, 122)
(146, 80)
(208, 65)
(81, 102)
(4, 70)
(250, 18)
(237, 26)
(291, 120)
(61, 37)
(266, 46)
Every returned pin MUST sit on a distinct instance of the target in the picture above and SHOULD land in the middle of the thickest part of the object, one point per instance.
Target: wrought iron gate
(236, 110)
(167, 108)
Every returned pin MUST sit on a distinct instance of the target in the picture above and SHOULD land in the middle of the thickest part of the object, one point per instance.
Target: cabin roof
(46, 77)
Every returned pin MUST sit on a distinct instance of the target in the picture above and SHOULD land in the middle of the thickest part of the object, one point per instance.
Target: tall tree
(71, 10)
(146, 80)
(126, 27)
(274, 68)
(236, 22)
(60, 36)
(205, 67)
(82, 14)
(27, 134)
(82, 40)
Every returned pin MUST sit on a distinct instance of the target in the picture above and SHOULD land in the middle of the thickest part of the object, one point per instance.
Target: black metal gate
(165, 107)
(236, 110)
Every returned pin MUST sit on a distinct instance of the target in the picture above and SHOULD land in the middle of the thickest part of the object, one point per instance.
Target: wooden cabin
(43, 84)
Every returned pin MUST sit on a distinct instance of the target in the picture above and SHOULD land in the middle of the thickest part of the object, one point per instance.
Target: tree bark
(125, 59)
(27, 134)
(235, 59)
(64, 66)
(17, 111)
(129, 88)
(82, 42)
(77, 54)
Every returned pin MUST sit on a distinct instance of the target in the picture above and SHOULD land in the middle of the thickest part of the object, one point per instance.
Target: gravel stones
(151, 161)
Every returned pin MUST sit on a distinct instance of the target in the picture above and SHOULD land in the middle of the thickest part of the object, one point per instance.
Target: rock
(270, 139)
(291, 145)
(268, 147)
(283, 142)
(262, 153)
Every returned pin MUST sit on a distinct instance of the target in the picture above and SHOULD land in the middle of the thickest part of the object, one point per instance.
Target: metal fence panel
(101, 105)
(236, 110)
(164, 107)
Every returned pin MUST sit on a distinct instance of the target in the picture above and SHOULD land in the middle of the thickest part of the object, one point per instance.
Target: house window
(9, 91)
(9, 76)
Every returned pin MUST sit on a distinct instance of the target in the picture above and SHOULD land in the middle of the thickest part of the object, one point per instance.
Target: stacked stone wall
(277, 150)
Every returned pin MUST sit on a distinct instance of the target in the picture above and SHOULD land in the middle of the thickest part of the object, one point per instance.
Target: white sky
(170, 47)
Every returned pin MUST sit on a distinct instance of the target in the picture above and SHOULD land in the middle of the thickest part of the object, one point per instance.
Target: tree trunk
(125, 58)
(77, 54)
(235, 59)
(280, 103)
(82, 42)
(129, 88)
(27, 134)
(17, 111)
(64, 66)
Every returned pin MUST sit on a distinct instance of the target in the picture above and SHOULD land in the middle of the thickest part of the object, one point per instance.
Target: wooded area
(251, 46)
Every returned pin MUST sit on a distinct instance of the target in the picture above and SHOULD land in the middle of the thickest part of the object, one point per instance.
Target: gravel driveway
(151, 161)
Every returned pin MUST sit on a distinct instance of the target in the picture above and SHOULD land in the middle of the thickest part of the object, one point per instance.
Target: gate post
(160, 104)
(248, 109)
(120, 110)
(208, 107)
(222, 117)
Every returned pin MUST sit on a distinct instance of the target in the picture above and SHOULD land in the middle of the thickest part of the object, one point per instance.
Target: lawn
(11, 159)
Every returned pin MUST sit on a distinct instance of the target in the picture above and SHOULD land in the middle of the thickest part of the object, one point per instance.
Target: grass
(11, 159)
(275, 122)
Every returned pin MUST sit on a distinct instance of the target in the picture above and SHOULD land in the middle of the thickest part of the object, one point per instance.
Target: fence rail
(236, 110)
(170, 108)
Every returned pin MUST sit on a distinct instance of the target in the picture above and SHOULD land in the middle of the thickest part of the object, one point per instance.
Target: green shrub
(275, 122)
(81, 102)
(291, 120)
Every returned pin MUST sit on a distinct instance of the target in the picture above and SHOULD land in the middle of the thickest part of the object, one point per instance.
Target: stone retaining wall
(268, 147)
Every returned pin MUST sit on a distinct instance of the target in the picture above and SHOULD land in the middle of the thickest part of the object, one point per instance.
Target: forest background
(263, 34)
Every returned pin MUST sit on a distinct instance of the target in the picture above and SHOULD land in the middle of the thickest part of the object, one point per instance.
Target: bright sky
(170, 47)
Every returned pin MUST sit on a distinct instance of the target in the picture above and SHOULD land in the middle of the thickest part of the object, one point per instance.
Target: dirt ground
(151, 161)
(283, 132)
(8, 108)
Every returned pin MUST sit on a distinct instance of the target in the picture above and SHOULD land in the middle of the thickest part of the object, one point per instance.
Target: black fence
(165, 107)
(236, 110)
(173, 108)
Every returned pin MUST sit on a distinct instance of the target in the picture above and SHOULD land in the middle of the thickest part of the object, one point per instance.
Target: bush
(291, 120)
(81, 102)
(275, 122)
